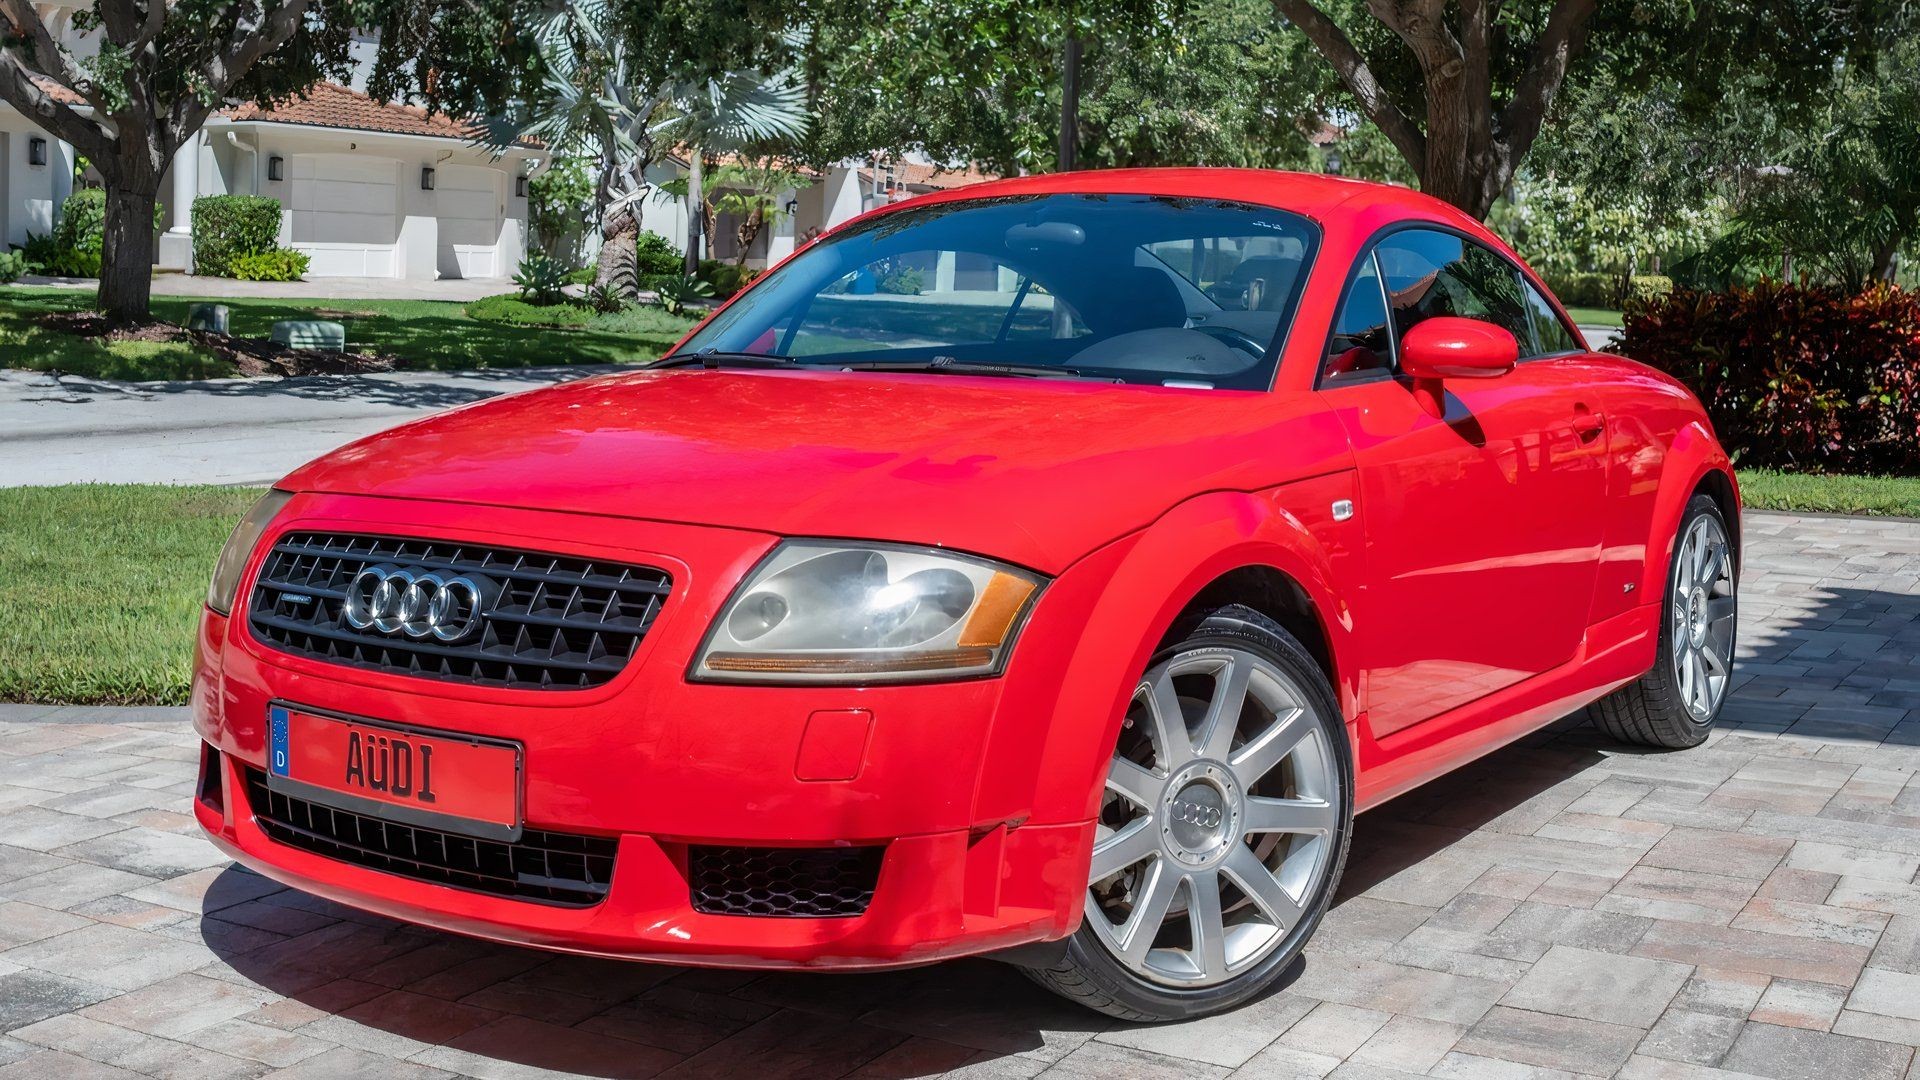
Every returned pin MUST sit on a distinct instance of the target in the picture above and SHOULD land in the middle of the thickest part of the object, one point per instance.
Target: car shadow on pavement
(457, 1003)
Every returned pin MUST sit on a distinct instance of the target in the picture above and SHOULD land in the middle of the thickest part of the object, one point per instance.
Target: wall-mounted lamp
(792, 205)
(276, 168)
(36, 151)
(1334, 164)
(520, 186)
(426, 178)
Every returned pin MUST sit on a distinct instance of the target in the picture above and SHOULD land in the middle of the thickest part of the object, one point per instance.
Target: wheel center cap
(1200, 814)
(1697, 616)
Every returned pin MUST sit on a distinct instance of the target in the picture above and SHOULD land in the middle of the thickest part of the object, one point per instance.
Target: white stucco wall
(30, 195)
(413, 233)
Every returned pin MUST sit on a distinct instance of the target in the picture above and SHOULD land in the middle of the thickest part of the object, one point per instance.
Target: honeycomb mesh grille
(816, 883)
(559, 623)
(551, 868)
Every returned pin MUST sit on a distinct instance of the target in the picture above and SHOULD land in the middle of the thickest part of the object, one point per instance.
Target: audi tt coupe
(1049, 569)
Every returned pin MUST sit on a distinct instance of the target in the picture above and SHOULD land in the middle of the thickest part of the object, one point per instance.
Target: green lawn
(421, 334)
(1764, 489)
(102, 583)
(101, 587)
(1593, 316)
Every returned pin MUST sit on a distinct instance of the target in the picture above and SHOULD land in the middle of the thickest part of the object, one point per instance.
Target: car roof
(1314, 195)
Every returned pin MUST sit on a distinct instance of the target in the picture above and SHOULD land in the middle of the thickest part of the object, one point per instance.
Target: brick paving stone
(1789, 1003)
(1564, 907)
(1783, 1053)
(1606, 987)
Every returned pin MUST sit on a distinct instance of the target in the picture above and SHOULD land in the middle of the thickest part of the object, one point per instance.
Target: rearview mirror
(1446, 347)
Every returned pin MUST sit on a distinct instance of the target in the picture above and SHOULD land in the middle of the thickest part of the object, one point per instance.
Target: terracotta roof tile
(58, 91)
(332, 105)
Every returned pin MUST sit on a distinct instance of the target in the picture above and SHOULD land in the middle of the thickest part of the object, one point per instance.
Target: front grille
(792, 882)
(559, 623)
(552, 868)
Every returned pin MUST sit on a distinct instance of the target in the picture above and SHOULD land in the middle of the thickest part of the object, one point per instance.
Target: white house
(370, 188)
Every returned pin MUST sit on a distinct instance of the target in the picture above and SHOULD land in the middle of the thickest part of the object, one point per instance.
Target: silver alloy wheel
(1703, 617)
(1218, 823)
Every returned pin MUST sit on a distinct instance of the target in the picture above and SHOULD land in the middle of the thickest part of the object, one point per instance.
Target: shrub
(605, 299)
(1794, 378)
(12, 265)
(904, 281)
(725, 278)
(677, 292)
(83, 221)
(280, 264)
(654, 256)
(43, 254)
(228, 226)
(542, 280)
(511, 309)
(1602, 290)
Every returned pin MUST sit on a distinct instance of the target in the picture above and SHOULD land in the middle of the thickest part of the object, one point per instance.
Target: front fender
(1123, 598)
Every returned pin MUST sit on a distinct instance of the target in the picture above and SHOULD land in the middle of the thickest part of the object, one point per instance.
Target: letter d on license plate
(445, 780)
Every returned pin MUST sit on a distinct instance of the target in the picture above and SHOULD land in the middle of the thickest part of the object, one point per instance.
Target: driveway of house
(1564, 906)
(458, 290)
(66, 429)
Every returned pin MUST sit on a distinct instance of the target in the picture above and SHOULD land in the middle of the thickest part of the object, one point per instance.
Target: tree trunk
(126, 261)
(696, 208)
(619, 233)
(1069, 156)
(1883, 259)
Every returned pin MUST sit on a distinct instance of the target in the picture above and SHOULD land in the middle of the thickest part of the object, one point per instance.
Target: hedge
(226, 226)
(1598, 290)
(1802, 379)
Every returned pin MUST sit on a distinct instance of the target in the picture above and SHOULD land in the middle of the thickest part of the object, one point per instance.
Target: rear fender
(1693, 454)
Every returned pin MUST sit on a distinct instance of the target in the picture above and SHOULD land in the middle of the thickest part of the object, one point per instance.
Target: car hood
(1034, 471)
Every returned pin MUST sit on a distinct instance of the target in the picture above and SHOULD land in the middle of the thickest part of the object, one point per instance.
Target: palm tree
(597, 100)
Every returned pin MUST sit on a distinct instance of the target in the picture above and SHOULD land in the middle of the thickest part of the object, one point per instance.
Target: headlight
(233, 557)
(817, 611)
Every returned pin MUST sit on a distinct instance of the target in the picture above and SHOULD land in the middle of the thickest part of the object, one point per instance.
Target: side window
(1550, 335)
(1362, 339)
(1430, 273)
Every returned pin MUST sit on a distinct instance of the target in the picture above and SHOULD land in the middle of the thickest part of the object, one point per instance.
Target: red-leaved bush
(1799, 378)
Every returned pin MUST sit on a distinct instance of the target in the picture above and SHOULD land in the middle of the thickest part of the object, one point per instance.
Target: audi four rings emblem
(1193, 813)
(417, 602)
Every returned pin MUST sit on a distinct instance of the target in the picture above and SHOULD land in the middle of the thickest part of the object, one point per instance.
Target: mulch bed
(249, 355)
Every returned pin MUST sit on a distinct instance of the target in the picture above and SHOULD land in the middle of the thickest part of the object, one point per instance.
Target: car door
(1483, 526)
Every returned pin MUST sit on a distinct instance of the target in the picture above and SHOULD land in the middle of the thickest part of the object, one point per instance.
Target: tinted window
(1361, 341)
(1135, 287)
(1432, 273)
(1550, 335)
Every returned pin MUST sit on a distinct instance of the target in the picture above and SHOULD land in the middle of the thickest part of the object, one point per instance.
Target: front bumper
(661, 765)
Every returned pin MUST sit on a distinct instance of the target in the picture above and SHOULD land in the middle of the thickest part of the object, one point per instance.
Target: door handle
(1587, 424)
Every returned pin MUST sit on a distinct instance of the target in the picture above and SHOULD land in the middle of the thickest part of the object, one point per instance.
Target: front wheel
(1675, 704)
(1222, 831)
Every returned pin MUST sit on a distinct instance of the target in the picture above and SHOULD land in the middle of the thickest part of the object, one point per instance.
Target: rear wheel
(1222, 831)
(1675, 704)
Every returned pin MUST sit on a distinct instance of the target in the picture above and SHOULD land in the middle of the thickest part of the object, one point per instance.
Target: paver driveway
(1563, 906)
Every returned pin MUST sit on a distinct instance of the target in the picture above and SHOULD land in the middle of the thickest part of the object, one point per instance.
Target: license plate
(436, 779)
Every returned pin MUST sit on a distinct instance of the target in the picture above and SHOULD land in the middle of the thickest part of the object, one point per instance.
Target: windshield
(1139, 288)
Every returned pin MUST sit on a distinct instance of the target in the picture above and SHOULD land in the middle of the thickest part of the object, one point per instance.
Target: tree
(162, 66)
(1463, 89)
(748, 189)
(613, 83)
(727, 113)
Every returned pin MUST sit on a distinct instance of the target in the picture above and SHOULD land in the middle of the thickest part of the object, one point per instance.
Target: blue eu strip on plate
(278, 757)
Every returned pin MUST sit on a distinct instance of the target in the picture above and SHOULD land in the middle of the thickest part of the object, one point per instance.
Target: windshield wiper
(714, 358)
(964, 367)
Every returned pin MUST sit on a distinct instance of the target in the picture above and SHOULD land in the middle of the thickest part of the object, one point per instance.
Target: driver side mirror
(1447, 347)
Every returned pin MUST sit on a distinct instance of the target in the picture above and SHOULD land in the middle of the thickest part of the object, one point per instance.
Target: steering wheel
(1238, 339)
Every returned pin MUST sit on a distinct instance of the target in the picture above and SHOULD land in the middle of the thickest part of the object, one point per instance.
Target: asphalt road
(65, 429)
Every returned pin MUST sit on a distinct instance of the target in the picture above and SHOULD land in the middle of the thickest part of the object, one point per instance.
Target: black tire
(1650, 711)
(1087, 973)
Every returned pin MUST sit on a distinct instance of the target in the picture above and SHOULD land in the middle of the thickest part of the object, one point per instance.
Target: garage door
(345, 214)
(469, 207)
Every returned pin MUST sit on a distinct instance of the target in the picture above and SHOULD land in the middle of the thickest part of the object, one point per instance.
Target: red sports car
(1050, 569)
